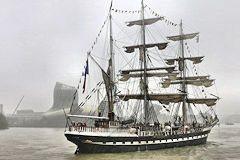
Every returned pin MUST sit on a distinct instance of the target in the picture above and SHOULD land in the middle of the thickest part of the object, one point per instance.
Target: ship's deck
(132, 132)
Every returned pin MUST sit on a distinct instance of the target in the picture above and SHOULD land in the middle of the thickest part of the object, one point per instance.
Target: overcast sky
(44, 41)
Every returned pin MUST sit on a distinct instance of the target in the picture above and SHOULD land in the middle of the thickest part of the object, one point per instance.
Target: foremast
(109, 76)
(111, 72)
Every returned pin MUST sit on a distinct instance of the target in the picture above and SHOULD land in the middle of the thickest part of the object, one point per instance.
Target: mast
(184, 109)
(111, 48)
(145, 86)
(111, 69)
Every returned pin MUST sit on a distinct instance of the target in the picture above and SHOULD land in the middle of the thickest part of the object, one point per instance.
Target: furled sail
(170, 98)
(190, 78)
(183, 37)
(146, 21)
(84, 116)
(195, 60)
(160, 46)
(109, 87)
(169, 69)
(205, 83)
(208, 101)
(171, 76)
(163, 98)
(106, 80)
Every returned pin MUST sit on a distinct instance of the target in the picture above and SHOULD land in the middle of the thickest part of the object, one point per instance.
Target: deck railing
(151, 131)
(97, 129)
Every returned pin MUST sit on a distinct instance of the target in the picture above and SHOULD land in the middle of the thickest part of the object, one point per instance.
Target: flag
(86, 69)
(85, 75)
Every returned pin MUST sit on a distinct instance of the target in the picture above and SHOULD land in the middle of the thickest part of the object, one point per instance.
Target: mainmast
(183, 86)
(145, 86)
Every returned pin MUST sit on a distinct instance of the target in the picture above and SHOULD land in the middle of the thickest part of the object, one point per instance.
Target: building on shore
(24, 118)
(62, 99)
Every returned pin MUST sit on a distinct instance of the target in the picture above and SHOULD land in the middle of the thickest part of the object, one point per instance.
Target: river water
(50, 143)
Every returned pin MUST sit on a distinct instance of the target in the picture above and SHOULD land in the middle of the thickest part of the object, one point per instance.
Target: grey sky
(44, 41)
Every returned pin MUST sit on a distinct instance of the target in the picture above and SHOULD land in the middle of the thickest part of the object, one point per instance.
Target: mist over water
(48, 143)
(44, 42)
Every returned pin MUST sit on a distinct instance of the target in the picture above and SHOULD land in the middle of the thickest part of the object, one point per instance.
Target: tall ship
(146, 91)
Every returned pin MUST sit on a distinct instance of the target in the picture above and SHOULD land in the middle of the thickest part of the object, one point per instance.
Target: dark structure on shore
(62, 99)
(3, 120)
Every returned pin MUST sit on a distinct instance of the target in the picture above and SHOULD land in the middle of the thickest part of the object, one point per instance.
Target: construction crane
(15, 110)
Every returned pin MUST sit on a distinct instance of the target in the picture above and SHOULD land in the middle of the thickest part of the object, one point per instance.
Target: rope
(88, 96)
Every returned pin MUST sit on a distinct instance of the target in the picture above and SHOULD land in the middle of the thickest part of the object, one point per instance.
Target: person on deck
(84, 126)
(99, 113)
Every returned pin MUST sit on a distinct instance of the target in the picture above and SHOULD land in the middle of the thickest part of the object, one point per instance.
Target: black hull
(125, 144)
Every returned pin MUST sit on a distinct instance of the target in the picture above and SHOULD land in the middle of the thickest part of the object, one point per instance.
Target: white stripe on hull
(150, 142)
